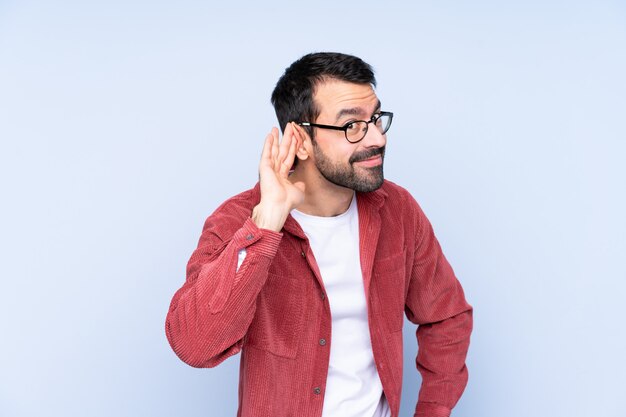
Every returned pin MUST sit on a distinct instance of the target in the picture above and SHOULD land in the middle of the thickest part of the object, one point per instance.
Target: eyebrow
(354, 111)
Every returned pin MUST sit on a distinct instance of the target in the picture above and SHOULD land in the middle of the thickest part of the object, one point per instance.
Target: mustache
(367, 154)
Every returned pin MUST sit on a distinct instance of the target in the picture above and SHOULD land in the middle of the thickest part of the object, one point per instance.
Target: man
(309, 273)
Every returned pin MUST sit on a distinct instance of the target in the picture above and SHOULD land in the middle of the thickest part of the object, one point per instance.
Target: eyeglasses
(356, 130)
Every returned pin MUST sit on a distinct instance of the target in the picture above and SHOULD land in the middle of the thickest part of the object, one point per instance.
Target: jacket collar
(368, 205)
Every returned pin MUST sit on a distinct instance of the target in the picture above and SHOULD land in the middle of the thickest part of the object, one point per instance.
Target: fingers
(297, 139)
(287, 162)
(275, 147)
(266, 154)
(299, 135)
(279, 155)
(284, 149)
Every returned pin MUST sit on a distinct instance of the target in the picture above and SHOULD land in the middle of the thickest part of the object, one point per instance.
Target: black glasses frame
(345, 127)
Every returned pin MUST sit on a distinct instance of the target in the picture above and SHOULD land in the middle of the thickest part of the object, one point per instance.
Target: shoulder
(232, 213)
(398, 197)
(399, 205)
(393, 189)
(240, 204)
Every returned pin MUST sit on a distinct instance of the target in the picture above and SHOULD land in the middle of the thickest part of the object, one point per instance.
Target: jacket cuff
(431, 410)
(265, 241)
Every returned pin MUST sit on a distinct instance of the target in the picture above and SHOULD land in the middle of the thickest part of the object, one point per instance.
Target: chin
(369, 186)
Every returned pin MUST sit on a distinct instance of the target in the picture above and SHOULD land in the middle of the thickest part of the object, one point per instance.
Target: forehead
(336, 98)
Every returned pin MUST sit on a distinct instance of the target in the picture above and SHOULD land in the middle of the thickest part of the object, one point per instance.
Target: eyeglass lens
(357, 130)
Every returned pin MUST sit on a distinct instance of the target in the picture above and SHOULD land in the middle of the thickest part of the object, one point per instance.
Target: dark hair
(293, 95)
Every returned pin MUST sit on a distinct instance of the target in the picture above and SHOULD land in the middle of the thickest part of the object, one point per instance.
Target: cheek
(337, 151)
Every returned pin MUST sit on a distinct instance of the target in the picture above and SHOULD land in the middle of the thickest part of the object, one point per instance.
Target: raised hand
(278, 195)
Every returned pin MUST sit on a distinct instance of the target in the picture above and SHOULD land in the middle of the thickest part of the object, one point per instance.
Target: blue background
(123, 124)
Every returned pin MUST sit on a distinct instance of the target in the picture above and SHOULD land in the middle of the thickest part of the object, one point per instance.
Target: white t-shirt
(353, 387)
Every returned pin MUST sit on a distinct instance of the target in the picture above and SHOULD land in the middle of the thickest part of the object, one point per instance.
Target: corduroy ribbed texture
(274, 308)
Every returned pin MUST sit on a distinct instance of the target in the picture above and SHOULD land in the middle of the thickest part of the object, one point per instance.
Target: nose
(373, 138)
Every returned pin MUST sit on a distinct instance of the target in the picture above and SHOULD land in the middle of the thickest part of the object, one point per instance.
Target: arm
(436, 302)
(210, 315)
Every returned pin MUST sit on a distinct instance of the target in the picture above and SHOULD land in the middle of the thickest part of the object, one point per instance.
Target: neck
(321, 197)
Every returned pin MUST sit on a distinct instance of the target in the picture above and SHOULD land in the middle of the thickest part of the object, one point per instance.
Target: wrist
(269, 217)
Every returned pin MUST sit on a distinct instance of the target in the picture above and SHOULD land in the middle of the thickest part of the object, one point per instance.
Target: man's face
(357, 166)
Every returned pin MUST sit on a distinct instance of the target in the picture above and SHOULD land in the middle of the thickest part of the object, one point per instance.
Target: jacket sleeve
(436, 303)
(210, 315)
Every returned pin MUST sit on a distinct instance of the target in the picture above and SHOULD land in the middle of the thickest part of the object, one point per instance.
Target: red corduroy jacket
(274, 308)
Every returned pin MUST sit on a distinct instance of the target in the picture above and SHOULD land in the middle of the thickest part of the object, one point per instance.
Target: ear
(306, 146)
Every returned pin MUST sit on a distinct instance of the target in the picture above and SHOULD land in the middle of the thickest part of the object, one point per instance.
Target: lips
(375, 161)
(373, 158)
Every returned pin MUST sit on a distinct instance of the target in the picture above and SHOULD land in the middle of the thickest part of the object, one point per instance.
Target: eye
(351, 126)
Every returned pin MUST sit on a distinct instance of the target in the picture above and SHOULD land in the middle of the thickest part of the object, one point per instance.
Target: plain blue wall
(123, 124)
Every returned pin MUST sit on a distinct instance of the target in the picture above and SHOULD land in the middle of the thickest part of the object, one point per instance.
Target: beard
(360, 179)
